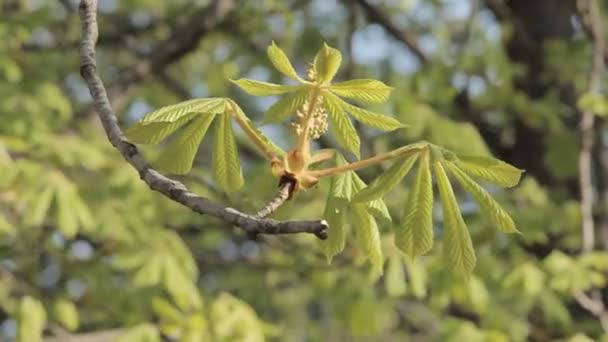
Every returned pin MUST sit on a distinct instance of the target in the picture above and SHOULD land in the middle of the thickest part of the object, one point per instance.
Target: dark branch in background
(589, 12)
(156, 181)
(377, 16)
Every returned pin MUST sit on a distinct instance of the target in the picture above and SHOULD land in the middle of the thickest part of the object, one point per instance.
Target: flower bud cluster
(318, 118)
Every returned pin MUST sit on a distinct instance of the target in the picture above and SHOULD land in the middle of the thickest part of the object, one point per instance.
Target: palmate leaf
(342, 127)
(458, 247)
(177, 158)
(326, 63)
(388, 180)
(368, 237)
(279, 59)
(414, 235)
(341, 186)
(259, 88)
(159, 124)
(366, 117)
(366, 90)
(488, 205)
(226, 165)
(285, 107)
(490, 169)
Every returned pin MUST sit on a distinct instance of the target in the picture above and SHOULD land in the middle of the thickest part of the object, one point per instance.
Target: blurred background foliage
(89, 253)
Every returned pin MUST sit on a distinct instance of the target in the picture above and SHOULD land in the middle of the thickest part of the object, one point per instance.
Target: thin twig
(285, 190)
(589, 12)
(156, 181)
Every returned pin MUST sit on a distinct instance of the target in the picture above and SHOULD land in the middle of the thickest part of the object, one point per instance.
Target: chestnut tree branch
(170, 188)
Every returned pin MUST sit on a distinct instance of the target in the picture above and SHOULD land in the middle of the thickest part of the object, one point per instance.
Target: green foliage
(226, 166)
(32, 320)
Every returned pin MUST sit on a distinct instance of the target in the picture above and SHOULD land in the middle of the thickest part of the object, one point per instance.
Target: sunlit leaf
(66, 313)
(414, 235)
(458, 247)
(366, 90)
(253, 132)
(281, 62)
(32, 320)
(154, 132)
(387, 181)
(368, 118)
(489, 206)
(39, 206)
(335, 216)
(259, 88)
(285, 107)
(145, 332)
(341, 126)
(394, 278)
(226, 165)
(177, 158)
(368, 237)
(67, 221)
(490, 169)
(326, 63)
(376, 207)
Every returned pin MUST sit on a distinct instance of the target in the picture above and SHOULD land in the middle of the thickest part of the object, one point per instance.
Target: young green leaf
(377, 207)
(32, 319)
(336, 218)
(389, 179)
(279, 59)
(177, 158)
(38, 206)
(458, 247)
(226, 165)
(157, 125)
(326, 63)
(154, 132)
(254, 134)
(285, 107)
(394, 280)
(66, 313)
(259, 88)
(366, 90)
(490, 169)
(371, 119)
(488, 205)
(368, 237)
(67, 221)
(341, 186)
(175, 112)
(342, 127)
(414, 235)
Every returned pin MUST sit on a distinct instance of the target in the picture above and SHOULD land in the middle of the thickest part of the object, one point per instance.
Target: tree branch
(156, 181)
(375, 15)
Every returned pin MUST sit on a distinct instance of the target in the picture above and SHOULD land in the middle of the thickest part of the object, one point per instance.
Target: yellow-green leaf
(376, 207)
(259, 88)
(368, 118)
(368, 237)
(488, 205)
(279, 59)
(341, 126)
(32, 319)
(66, 313)
(326, 63)
(177, 158)
(253, 132)
(38, 206)
(414, 235)
(154, 132)
(385, 182)
(67, 221)
(336, 219)
(366, 90)
(490, 169)
(341, 186)
(145, 332)
(285, 107)
(226, 165)
(394, 279)
(458, 247)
